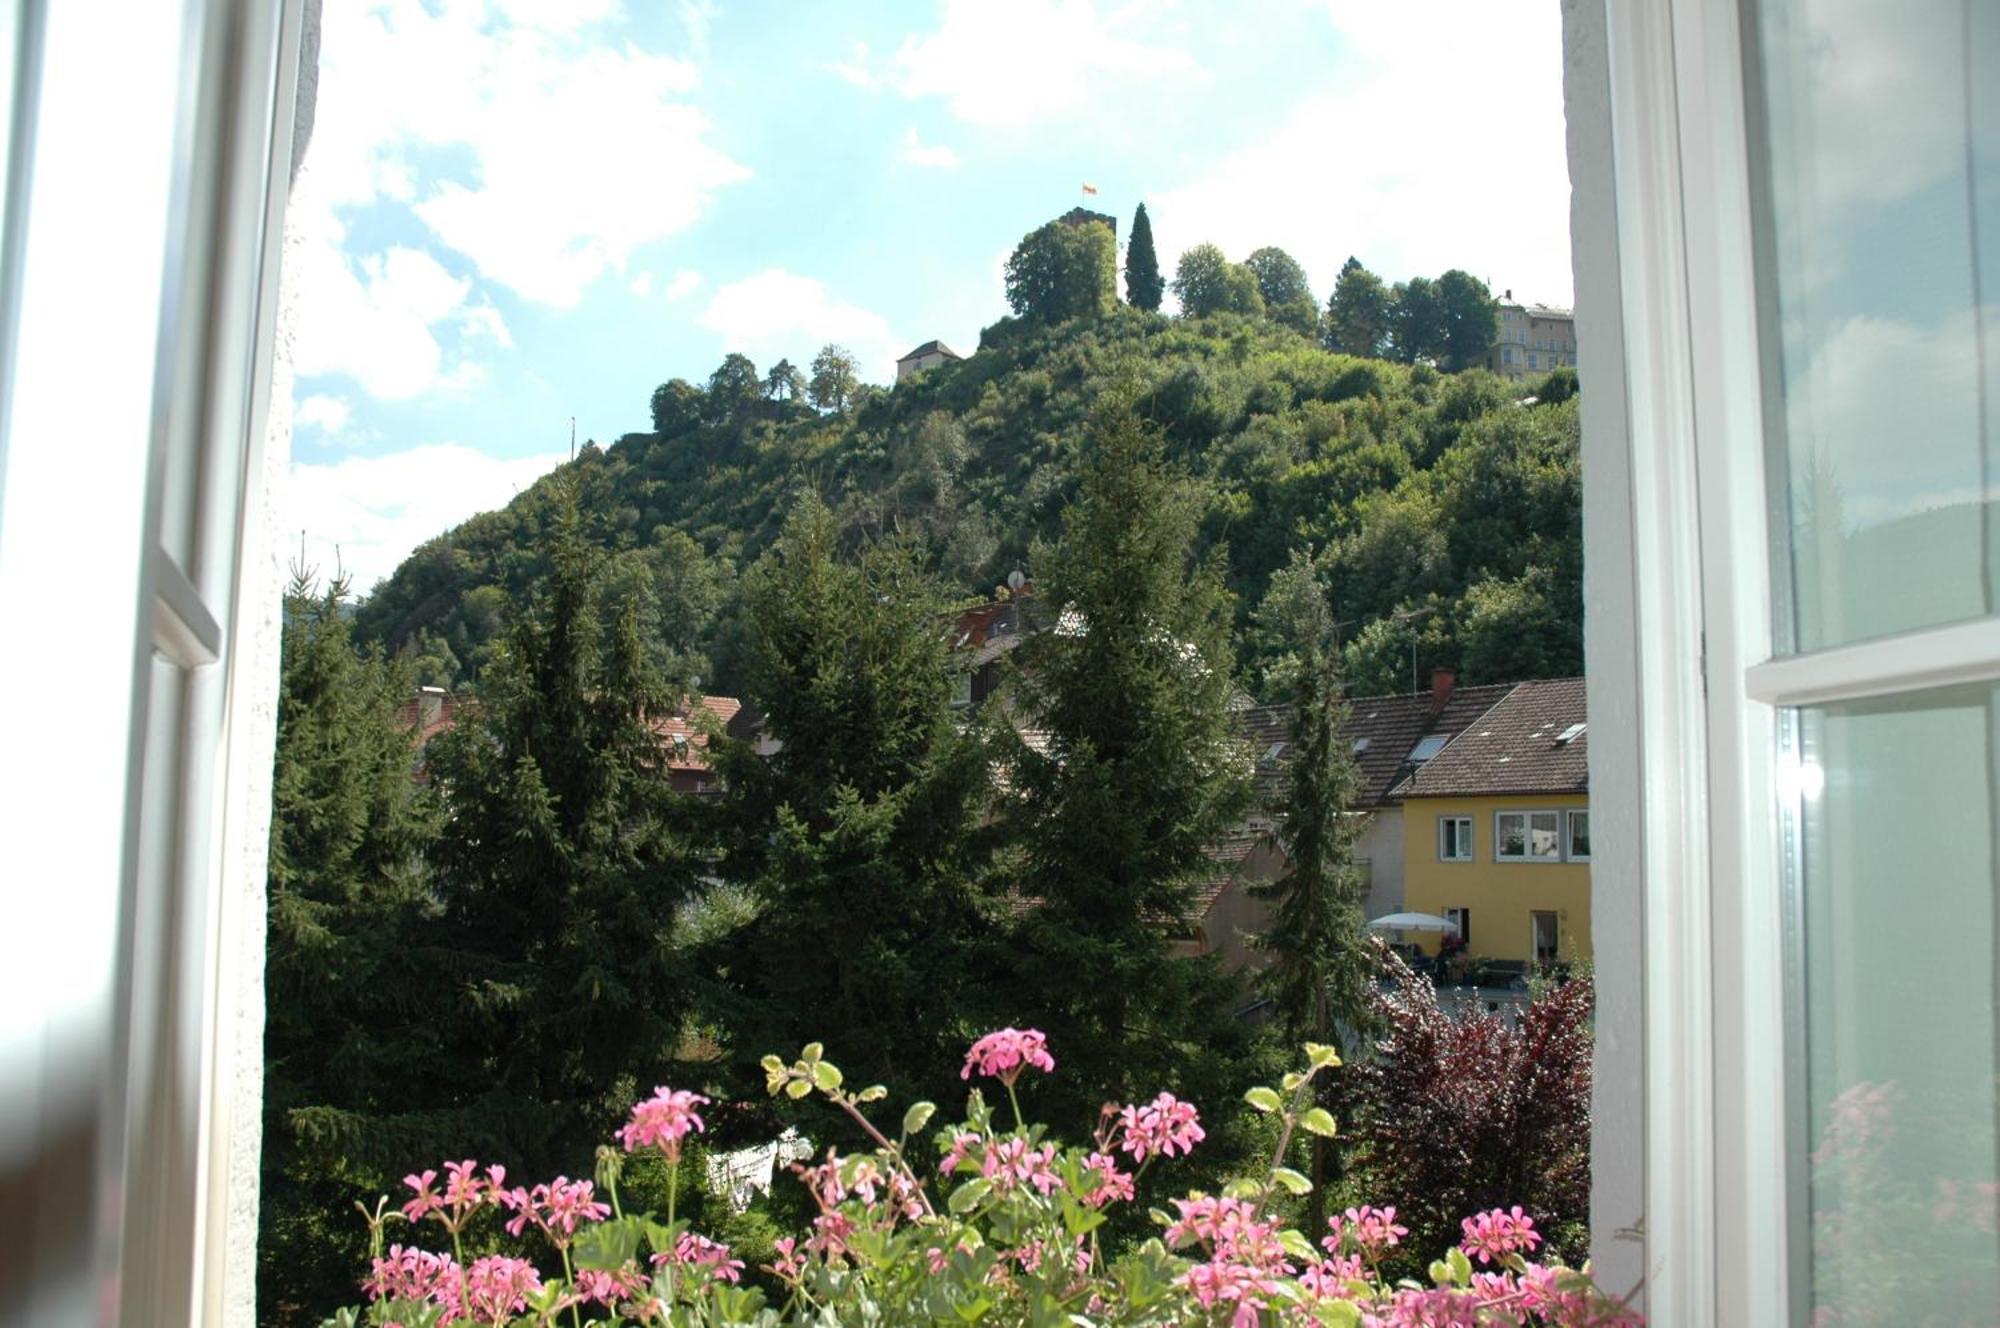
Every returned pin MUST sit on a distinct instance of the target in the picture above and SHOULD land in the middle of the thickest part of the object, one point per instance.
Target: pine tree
(857, 834)
(1321, 970)
(1134, 772)
(563, 858)
(346, 894)
(1144, 286)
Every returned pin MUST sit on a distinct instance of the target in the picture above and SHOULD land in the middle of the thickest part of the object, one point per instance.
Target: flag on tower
(1090, 189)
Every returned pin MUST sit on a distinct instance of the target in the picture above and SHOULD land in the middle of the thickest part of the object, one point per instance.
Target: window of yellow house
(1576, 839)
(1454, 839)
(1527, 836)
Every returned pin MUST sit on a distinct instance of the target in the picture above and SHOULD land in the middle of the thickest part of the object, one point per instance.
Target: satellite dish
(1015, 580)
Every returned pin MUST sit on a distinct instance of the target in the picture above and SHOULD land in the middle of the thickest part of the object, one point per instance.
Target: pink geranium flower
(663, 1121)
(1164, 1125)
(1499, 1232)
(1003, 1055)
(497, 1288)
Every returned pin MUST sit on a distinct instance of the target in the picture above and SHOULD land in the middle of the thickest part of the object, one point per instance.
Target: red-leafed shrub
(1458, 1114)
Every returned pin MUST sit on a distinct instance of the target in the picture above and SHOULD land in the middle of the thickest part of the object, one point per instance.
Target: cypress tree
(1144, 286)
(343, 1029)
(1320, 972)
(857, 834)
(1134, 771)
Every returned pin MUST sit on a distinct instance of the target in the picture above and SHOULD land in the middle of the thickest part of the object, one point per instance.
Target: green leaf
(1440, 1272)
(607, 1245)
(813, 1052)
(798, 1088)
(872, 1093)
(1461, 1267)
(1291, 1180)
(1322, 1057)
(1264, 1099)
(1319, 1121)
(772, 1065)
(969, 1195)
(1298, 1246)
(826, 1076)
(1240, 1189)
(918, 1116)
(1338, 1313)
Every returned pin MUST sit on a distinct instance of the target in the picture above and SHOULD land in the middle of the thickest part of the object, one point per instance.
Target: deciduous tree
(1357, 317)
(835, 376)
(1471, 320)
(1205, 282)
(1060, 271)
(1287, 294)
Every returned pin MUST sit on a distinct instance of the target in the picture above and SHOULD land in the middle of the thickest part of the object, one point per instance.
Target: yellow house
(1496, 828)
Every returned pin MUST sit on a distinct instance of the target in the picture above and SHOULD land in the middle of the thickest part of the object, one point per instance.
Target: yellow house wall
(1501, 895)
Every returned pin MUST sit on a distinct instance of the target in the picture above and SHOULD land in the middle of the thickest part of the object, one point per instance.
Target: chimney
(430, 704)
(1442, 681)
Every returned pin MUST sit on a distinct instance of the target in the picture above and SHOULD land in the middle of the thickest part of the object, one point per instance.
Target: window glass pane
(1542, 835)
(1579, 834)
(1512, 832)
(1884, 215)
(1894, 869)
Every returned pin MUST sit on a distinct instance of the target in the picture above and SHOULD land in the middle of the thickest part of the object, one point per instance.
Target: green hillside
(1444, 508)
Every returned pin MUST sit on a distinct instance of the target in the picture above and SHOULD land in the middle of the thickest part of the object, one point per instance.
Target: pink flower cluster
(1372, 1230)
(1110, 1184)
(497, 1288)
(1013, 1163)
(555, 1208)
(1245, 1262)
(1497, 1233)
(1003, 1055)
(1166, 1125)
(663, 1121)
(602, 1287)
(697, 1251)
(464, 1192)
(408, 1273)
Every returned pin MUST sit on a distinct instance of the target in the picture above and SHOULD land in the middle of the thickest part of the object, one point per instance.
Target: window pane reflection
(1902, 957)
(1883, 127)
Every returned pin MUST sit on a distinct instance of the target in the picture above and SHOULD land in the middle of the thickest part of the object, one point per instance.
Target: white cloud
(918, 153)
(537, 126)
(782, 314)
(1891, 410)
(642, 285)
(1021, 62)
(327, 414)
(685, 280)
(1379, 163)
(366, 514)
(378, 319)
(855, 68)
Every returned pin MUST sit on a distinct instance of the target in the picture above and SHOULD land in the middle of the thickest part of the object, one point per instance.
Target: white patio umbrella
(1411, 922)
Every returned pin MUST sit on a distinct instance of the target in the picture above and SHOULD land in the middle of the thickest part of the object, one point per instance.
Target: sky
(515, 213)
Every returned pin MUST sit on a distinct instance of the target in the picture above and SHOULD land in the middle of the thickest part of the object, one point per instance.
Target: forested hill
(1444, 507)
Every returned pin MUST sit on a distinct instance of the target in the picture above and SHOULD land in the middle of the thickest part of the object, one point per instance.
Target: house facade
(1531, 339)
(927, 356)
(1496, 829)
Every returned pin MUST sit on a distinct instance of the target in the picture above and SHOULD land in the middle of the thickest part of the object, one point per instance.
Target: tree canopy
(1062, 271)
(1206, 282)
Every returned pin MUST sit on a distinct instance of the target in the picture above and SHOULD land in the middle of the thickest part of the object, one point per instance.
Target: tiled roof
(1534, 741)
(1381, 731)
(932, 347)
(685, 739)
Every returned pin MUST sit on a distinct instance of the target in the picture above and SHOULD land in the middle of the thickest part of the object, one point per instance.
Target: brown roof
(1382, 730)
(685, 738)
(1534, 741)
(930, 347)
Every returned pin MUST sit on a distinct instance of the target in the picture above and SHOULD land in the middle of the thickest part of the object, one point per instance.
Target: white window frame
(1527, 834)
(1534, 936)
(1462, 919)
(134, 1050)
(1569, 853)
(1456, 819)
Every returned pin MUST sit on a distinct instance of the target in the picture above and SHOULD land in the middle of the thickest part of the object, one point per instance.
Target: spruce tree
(563, 857)
(858, 833)
(343, 1029)
(1144, 286)
(1320, 973)
(1132, 772)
